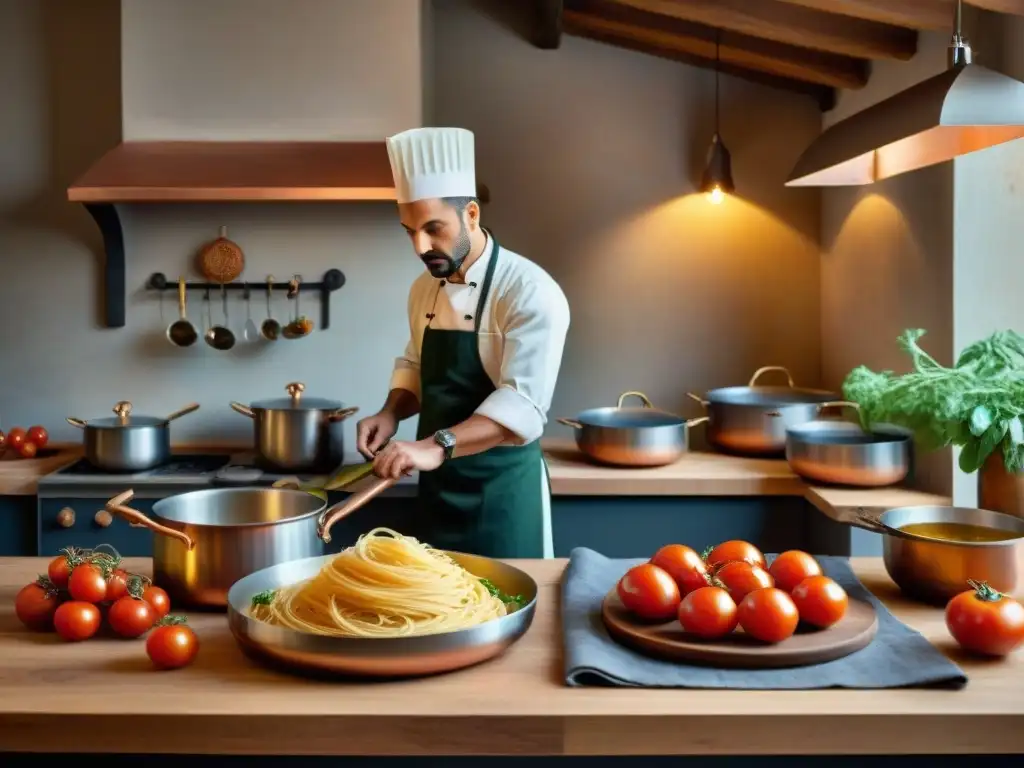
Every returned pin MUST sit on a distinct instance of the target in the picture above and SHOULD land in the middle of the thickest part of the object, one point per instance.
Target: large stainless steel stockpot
(296, 433)
(752, 420)
(933, 570)
(631, 436)
(208, 540)
(840, 452)
(127, 443)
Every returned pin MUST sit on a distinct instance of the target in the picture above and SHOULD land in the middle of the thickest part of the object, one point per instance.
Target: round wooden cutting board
(738, 651)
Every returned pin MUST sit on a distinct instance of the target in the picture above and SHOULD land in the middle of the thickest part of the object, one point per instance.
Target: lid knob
(295, 389)
(123, 409)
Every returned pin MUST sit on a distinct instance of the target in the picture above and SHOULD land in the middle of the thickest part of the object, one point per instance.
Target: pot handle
(343, 413)
(646, 401)
(691, 423)
(698, 398)
(183, 411)
(768, 369)
(76, 422)
(838, 404)
(332, 515)
(245, 410)
(117, 506)
(570, 423)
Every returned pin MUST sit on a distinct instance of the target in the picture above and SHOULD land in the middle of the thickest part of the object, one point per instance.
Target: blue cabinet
(86, 532)
(17, 526)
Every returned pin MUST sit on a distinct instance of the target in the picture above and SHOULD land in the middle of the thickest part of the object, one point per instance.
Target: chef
(487, 331)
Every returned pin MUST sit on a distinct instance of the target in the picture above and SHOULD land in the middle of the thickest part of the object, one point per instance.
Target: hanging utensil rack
(332, 280)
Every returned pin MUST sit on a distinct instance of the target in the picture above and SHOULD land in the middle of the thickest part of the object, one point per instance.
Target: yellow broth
(962, 532)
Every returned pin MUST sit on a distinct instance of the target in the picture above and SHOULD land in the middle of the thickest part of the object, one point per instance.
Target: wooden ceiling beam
(741, 51)
(547, 20)
(912, 14)
(576, 24)
(791, 24)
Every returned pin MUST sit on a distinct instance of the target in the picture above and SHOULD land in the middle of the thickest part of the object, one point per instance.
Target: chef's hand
(373, 431)
(401, 458)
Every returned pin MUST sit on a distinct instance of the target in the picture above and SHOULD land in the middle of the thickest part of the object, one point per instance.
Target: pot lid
(622, 417)
(769, 396)
(296, 402)
(125, 419)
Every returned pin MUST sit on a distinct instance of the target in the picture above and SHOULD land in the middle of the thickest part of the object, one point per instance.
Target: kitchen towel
(898, 657)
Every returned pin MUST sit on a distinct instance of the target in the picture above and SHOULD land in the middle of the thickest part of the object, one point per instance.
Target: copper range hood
(961, 110)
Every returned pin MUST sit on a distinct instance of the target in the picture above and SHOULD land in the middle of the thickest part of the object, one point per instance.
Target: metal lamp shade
(718, 170)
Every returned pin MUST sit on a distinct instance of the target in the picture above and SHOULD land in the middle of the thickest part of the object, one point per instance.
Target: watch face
(445, 438)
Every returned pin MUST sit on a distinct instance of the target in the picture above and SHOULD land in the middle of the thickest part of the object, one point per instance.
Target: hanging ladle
(220, 337)
(181, 333)
(270, 329)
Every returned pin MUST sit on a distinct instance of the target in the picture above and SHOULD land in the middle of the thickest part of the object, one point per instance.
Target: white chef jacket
(522, 335)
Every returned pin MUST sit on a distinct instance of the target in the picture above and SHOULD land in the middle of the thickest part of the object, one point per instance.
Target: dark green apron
(492, 503)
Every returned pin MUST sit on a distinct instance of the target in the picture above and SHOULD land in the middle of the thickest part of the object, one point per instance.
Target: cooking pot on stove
(126, 442)
(296, 433)
(207, 540)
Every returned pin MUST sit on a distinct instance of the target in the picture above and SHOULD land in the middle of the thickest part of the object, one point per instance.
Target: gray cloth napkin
(898, 657)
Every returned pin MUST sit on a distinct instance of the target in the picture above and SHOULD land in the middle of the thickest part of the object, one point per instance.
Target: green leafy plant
(978, 404)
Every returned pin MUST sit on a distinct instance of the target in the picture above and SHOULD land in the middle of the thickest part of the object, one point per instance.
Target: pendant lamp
(961, 110)
(716, 181)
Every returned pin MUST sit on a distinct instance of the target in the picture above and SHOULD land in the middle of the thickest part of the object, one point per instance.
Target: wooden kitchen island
(102, 696)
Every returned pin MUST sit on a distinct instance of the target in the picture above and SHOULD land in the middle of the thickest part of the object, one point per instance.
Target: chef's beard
(449, 264)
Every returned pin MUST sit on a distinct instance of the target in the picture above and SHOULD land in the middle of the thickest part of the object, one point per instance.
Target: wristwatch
(446, 440)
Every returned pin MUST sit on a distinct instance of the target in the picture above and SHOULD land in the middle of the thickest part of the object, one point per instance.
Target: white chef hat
(432, 162)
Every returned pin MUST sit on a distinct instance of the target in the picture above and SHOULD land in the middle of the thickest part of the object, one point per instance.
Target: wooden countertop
(695, 474)
(103, 695)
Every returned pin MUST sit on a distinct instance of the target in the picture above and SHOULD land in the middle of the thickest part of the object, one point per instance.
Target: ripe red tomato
(708, 613)
(27, 450)
(649, 592)
(172, 643)
(36, 603)
(130, 616)
(38, 435)
(684, 565)
(117, 584)
(87, 583)
(15, 438)
(59, 569)
(768, 615)
(820, 601)
(729, 551)
(75, 620)
(158, 600)
(741, 578)
(792, 567)
(985, 621)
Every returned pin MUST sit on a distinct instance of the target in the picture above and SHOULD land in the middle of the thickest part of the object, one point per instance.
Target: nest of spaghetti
(386, 585)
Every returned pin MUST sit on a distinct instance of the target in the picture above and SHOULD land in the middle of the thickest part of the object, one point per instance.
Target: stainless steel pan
(631, 436)
(208, 540)
(752, 420)
(127, 443)
(839, 452)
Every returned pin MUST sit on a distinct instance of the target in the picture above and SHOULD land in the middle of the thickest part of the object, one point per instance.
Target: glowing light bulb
(716, 195)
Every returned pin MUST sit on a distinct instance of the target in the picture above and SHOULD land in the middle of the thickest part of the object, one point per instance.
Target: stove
(184, 465)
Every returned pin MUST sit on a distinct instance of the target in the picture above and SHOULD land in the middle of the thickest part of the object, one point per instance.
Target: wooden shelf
(224, 171)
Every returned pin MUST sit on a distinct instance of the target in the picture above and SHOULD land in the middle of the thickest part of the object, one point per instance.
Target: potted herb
(977, 405)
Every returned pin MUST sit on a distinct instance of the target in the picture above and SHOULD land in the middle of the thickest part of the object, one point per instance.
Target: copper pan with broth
(932, 551)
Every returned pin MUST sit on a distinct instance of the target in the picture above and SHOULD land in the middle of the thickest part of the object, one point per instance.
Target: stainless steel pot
(210, 539)
(126, 443)
(933, 570)
(752, 420)
(296, 433)
(840, 452)
(631, 437)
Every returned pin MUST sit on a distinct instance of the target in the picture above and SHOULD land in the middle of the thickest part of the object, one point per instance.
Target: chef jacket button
(443, 282)
(472, 285)
(468, 317)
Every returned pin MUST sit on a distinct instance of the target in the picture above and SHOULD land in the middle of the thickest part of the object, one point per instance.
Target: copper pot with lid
(297, 433)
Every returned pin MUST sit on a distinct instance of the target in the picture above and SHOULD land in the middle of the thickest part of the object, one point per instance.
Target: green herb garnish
(266, 597)
(493, 589)
(977, 405)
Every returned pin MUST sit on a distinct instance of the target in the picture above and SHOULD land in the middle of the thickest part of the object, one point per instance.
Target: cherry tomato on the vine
(729, 551)
(741, 578)
(985, 621)
(684, 565)
(820, 601)
(708, 613)
(88, 583)
(131, 616)
(158, 600)
(172, 643)
(76, 620)
(117, 584)
(792, 567)
(649, 592)
(768, 615)
(36, 603)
